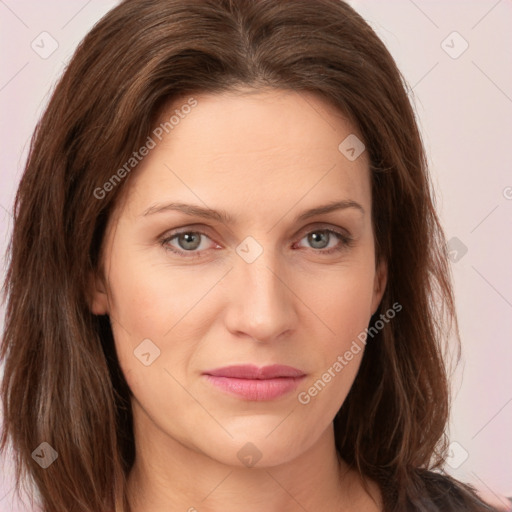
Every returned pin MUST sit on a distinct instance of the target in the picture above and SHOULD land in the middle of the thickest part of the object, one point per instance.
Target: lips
(249, 371)
(253, 383)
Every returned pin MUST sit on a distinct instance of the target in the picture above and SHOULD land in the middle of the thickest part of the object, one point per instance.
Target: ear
(379, 285)
(98, 298)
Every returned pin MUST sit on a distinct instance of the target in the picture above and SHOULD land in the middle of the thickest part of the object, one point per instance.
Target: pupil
(189, 239)
(316, 237)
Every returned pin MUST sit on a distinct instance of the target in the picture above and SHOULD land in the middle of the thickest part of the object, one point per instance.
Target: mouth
(255, 384)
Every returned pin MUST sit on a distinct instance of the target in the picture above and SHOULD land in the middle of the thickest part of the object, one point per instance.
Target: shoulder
(439, 491)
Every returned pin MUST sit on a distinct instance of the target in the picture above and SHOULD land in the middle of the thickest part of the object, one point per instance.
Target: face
(263, 281)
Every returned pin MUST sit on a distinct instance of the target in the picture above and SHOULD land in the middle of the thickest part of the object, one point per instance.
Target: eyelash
(346, 242)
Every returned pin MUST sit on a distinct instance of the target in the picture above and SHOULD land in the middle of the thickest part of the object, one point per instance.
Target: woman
(228, 286)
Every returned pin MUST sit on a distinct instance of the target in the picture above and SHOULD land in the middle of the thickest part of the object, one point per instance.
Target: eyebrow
(226, 218)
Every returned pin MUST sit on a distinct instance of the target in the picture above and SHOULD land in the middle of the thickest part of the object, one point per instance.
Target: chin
(258, 450)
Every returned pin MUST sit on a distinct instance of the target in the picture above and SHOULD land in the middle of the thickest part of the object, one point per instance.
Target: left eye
(319, 238)
(190, 241)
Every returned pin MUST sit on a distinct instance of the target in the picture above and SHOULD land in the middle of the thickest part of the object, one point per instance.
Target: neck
(167, 475)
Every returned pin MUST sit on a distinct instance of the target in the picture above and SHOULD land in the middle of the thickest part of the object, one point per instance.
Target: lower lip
(256, 389)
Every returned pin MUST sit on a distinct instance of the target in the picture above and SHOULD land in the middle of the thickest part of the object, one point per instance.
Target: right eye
(188, 241)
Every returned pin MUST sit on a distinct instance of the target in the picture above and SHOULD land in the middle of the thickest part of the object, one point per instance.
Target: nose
(261, 303)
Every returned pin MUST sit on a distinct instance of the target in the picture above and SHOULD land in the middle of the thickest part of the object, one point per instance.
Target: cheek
(162, 304)
(342, 300)
(149, 299)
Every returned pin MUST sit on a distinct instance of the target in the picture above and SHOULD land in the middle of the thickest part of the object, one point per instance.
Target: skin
(264, 157)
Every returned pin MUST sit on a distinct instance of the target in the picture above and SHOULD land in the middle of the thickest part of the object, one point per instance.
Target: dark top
(439, 492)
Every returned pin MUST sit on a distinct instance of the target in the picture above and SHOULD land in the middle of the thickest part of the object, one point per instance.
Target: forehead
(250, 147)
(256, 122)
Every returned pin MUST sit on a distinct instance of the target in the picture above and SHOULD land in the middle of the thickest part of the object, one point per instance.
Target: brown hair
(62, 382)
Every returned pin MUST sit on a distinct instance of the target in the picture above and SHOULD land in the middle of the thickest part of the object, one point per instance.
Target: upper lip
(249, 371)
